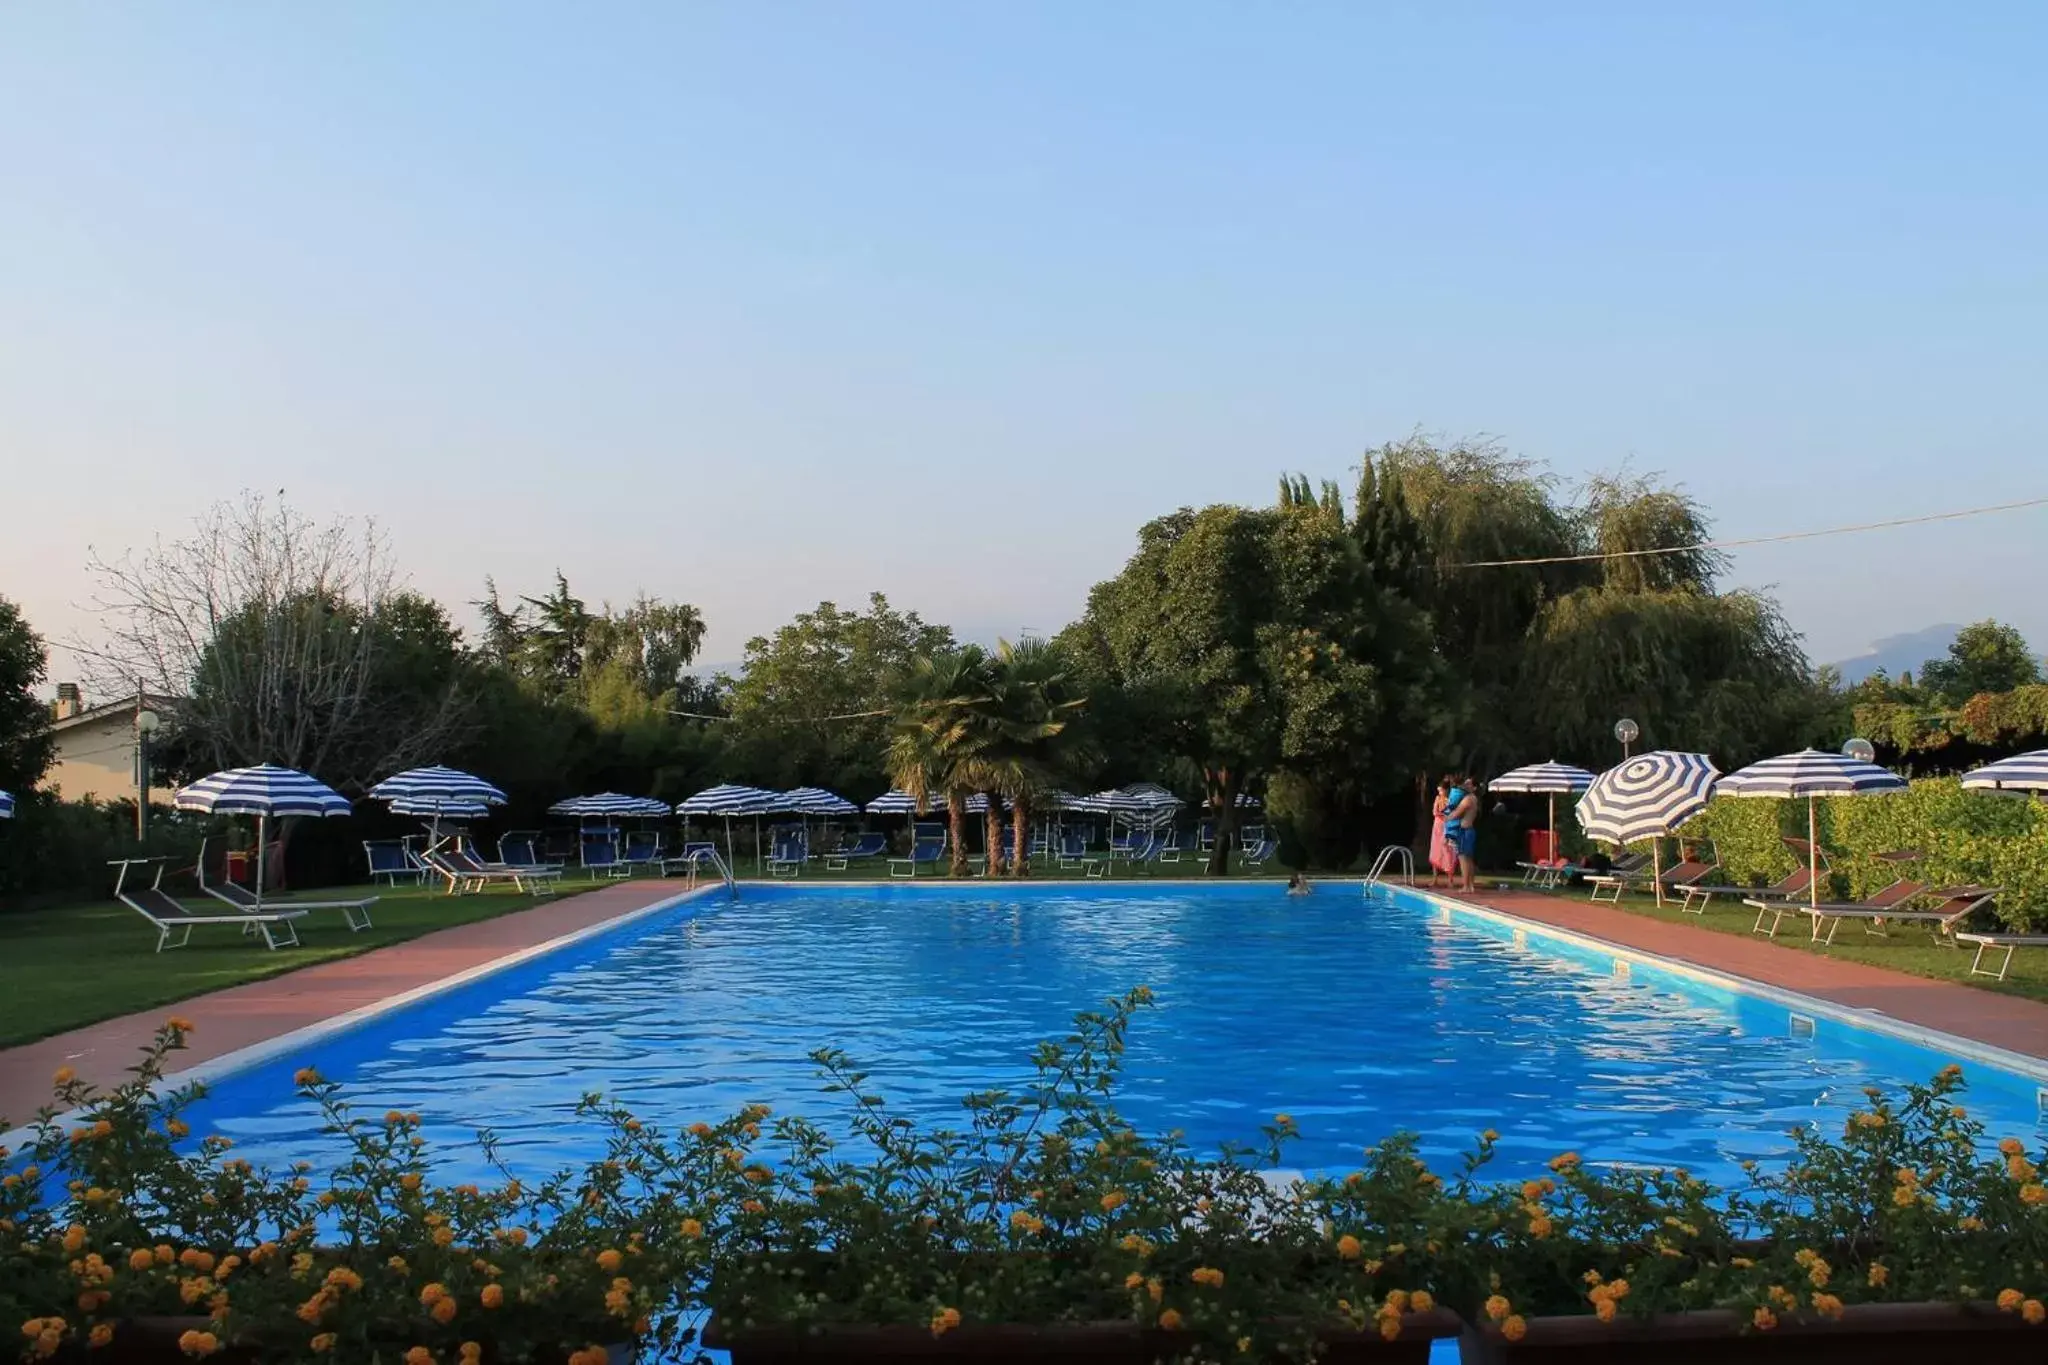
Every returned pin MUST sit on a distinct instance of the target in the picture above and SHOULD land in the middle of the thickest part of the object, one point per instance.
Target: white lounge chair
(355, 912)
(168, 914)
(2007, 942)
(464, 873)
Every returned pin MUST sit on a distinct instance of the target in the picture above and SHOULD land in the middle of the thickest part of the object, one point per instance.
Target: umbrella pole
(1553, 855)
(1657, 868)
(261, 848)
(1812, 861)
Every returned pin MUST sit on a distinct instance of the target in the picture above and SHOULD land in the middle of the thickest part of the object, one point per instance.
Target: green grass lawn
(72, 965)
(1910, 948)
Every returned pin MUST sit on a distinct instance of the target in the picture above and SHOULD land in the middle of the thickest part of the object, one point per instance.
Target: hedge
(1965, 836)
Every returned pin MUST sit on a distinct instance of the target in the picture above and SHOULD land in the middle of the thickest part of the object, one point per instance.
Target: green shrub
(60, 849)
(1966, 837)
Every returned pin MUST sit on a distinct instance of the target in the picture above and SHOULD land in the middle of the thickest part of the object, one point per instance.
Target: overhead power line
(1755, 540)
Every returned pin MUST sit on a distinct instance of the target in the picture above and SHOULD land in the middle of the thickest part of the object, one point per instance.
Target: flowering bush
(1043, 1207)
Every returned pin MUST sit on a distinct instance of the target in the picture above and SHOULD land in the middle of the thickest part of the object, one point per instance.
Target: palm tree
(938, 733)
(1030, 704)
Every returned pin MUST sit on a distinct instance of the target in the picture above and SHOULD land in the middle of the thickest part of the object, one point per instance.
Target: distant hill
(1896, 654)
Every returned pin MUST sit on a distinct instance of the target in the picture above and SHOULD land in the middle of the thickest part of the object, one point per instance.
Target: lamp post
(1862, 750)
(145, 725)
(1626, 731)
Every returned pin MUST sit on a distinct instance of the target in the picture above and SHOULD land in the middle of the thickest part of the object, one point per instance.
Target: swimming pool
(1359, 1018)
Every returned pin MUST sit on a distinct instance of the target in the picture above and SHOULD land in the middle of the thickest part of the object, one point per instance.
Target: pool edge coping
(2021, 1064)
(268, 1049)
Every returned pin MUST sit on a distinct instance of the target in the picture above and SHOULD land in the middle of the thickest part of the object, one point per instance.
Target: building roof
(126, 706)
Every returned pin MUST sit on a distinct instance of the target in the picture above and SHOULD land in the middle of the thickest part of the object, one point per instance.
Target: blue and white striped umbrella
(2015, 776)
(6, 805)
(440, 808)
(1811, 772)
(1648, 796)
(731, 798)
(1245, 800)
(266, 791)
(606, 803)
(724, 802)
(815, 801)
(422, 787)
(894, 802)
(1545, 779)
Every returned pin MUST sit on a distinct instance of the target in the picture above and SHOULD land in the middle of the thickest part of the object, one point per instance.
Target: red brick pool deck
(239, 1016)
(2007, 1021)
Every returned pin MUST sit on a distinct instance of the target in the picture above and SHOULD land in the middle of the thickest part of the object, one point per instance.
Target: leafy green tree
(1261, 642)
(1030, 708)
(938, 733)
(1985, 657)
(26, 744)
(816, 699)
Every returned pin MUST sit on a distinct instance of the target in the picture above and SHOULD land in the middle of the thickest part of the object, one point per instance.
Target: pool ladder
(1393, 860)
(717, 861)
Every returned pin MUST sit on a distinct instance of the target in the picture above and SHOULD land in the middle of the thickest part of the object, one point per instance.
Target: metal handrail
(1384, 864)
(717, 860)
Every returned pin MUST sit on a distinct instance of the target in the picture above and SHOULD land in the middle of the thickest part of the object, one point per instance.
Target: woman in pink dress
(1442, 861)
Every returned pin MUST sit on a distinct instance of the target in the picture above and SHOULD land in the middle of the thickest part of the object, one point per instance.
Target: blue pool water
(1357, 1018)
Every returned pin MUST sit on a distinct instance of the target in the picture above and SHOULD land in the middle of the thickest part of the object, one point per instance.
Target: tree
(937, 733)
(815, 702)
(286, 643)
(1260, 641)
(1031, 703)
(1985, 657)
(26, 744)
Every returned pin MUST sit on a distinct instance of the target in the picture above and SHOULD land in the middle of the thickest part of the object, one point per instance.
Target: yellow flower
(198, 1343)
(1207, 1275)
(2034, 1193)
(1904, 1197)
(753, 1206)
(1024, 1221)
(1878, 1275)
(1539, 1226)
(431, 1294)
(1154, 1288)
(1348, 1247)
(102, 1333)
(65, 1076)
(2011, 1147)
(493, 1296)
(944, 1321)
(1133, 1280)
(1284, 1120)
(409, 1181)
(1390, 1326)
(1564, 1162)
(2033, 1312)
(140, 1259)
(341, 1277)
(177, 1128)
(419, 1355)
(2009, 1300)
(701, 1130)
(1514, 1329)
(1603, 1309)
(179, 1022)
(609, 1260)
(1112, 1201)
(471, 1352)
(1421, 1301)
(1819, 1273)
(305, 1076)
(1170, 1320)
(1497, 1308)
(689, 1227)
(74, 1237)
(1764, 1319)
(443, 1311)
(1244, 1346)
(1827, 1305)
(1489, 1136)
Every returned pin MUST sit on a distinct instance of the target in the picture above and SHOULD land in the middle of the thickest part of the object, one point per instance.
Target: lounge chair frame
(167, 913)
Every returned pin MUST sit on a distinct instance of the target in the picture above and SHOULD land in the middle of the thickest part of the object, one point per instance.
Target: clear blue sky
(758, 304)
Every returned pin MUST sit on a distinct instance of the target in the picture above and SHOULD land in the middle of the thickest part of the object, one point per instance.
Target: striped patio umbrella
(1545, 779)
(725, 801)
(1647, 797)
(816, 801)
(1812, 773)
(430, 792)
(604, 803)
(6, 805)
(267, 792)
(2015, 776)
(895, 802)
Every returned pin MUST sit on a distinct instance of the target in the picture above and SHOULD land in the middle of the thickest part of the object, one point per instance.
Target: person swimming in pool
(1297, 885)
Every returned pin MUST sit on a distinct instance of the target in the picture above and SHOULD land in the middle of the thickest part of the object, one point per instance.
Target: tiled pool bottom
(1359, 1019)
